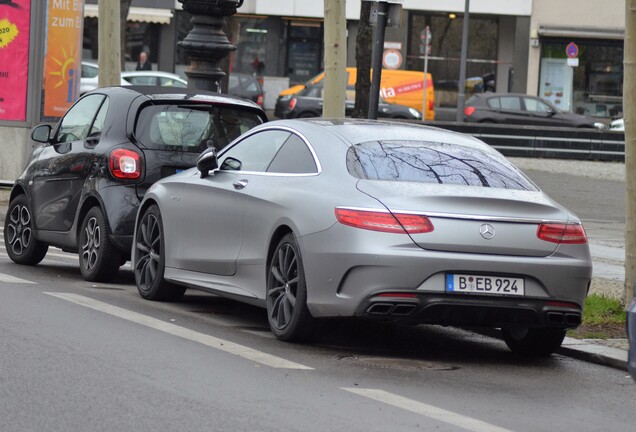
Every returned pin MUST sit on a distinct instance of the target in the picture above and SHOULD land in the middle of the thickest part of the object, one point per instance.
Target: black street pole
(376, 64)
(207, 44)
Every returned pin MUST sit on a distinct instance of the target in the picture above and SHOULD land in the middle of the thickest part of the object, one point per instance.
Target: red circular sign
(572, 50)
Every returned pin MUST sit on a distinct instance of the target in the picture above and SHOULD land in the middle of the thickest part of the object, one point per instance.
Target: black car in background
(308, 103)
(246, 86)
(521, 109)
(82, 186)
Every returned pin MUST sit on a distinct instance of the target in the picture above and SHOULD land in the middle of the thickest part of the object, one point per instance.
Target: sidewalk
(608, 255)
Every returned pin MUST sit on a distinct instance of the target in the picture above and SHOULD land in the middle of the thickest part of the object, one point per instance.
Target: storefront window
(446, 44)
(594, 87)
(250, 37)
(304, 50)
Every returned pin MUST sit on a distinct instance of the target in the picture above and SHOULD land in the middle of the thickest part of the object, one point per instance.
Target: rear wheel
(287, 312)
(99, 259)
(19, 241)
(534, 342)
(150, 258)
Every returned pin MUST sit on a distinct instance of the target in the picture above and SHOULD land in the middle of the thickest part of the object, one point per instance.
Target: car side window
(493, 103)
(535, 105)
(256, 152)
(294, 157)
(77, 122)
(170, 82)
(510, 103)
(142, 80)
(98, 124)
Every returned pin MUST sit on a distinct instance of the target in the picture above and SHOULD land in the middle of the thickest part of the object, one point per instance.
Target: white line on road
(182, 332)
(12, 279)
(431, 411)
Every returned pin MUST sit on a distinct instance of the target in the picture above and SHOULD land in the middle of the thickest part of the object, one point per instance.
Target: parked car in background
(246, 86)
(618, 125)
(308, 103)
(82, 186)
(325, 218)
(521, 109)
(90, 78)
(402, 87)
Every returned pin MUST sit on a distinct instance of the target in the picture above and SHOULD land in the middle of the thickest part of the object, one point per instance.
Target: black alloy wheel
(149, 259)
(287, 312)
(19, 241)
(99, 259)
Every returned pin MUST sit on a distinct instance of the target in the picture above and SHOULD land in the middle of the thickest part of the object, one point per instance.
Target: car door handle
(240, 184)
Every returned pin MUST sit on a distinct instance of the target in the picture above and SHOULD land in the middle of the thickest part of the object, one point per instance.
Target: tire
(533, 342)
(149, 259)
(99, 259)
(19, 241)
(287, 313)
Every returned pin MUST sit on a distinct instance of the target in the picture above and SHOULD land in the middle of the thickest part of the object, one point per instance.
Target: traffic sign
(572, 50)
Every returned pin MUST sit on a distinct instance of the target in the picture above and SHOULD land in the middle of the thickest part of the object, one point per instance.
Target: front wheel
(149, 259)
(19, 241)
(533, 342)
(99, 259)
(287, 312)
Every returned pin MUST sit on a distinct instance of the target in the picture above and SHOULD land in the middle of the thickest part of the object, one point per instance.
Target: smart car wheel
(99, 259)
(288, 316)
(149, 259)
(534, 342)
(19, 241)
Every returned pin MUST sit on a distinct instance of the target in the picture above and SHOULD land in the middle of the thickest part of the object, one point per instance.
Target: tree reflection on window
(429, 162)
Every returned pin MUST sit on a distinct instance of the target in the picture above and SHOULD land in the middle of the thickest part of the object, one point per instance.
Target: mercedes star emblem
(487, 231)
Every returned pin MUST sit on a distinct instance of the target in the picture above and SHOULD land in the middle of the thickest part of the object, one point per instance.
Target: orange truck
(404, 87)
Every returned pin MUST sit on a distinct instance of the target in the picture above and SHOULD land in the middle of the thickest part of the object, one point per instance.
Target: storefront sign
(15, 17)
(62, 64)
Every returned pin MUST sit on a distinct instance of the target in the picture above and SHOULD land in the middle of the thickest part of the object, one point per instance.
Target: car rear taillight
(125, 164)
(292, 104)
(384, 222)
(469, 110)
(259, 100)
(562, 233)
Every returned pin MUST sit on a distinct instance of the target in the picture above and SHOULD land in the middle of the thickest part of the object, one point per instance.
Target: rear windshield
(430, 162)
(192, 128)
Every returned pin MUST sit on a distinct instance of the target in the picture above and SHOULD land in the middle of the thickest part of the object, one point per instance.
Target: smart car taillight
(125, 164)
(469, 110)
(562, 233)
(292, 104)
(398, 223)
(259, 100)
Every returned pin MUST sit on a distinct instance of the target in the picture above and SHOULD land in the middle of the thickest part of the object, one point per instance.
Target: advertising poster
(556, 83)
(62, 63)
(15, 17)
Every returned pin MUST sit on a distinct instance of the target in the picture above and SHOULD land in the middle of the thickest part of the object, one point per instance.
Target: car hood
(458, 214)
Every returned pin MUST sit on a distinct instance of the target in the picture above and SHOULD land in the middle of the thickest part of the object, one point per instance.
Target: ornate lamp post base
(207, 44)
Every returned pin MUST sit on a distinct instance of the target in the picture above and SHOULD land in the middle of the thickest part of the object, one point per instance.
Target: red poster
(15, 17)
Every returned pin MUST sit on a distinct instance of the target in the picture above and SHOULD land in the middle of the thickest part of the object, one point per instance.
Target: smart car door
(64, 165)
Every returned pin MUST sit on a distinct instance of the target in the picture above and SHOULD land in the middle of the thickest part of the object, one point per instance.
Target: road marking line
(182, 332)
(53, 254)
(431, 411)
(12, 279)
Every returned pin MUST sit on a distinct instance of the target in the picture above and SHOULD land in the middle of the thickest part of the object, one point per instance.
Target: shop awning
(581, 32)
(139, 14)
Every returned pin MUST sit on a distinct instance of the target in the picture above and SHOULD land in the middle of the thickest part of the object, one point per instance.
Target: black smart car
(81, 187)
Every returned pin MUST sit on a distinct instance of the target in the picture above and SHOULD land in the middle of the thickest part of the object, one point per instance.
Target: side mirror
(551, 112)
(231, 164)
(207, 162)
(41, 133)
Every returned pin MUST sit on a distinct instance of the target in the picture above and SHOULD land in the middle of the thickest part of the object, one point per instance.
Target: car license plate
(480, 284)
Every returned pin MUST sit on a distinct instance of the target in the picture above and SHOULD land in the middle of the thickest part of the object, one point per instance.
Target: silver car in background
(357, 218)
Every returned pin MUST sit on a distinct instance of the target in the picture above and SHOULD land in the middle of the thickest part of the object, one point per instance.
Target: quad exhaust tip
(391, 309)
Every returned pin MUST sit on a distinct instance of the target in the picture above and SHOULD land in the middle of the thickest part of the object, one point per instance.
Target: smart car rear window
(192, 128)
(430, 162)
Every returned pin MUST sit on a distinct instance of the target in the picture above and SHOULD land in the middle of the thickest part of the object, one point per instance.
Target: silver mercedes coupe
(321, 218)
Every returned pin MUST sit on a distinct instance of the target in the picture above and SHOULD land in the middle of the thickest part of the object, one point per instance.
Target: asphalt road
(77, 356)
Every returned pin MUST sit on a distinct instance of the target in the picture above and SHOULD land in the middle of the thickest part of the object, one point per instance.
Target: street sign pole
(461, 91)
(427, 48)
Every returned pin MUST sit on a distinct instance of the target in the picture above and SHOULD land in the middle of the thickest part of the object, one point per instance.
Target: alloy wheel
(19, 229)
(148, 251)
(283, 288)
(91, 243)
